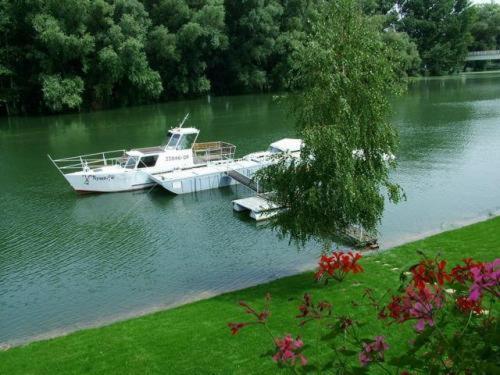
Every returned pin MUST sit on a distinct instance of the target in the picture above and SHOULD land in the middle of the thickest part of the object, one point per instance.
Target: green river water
(69, 261)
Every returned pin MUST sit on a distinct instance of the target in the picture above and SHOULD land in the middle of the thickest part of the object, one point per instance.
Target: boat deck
(204, 170)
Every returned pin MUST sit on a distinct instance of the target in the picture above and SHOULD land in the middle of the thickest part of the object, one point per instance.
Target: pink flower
(288, 350)
(419, 304)
(485, 277)
(374, 351)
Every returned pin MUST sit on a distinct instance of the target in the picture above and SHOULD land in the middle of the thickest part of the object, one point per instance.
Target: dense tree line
(59, 55)
(486, 28)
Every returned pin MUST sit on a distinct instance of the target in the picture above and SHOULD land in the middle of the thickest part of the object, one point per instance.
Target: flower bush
(337, 265)
(454, 321)
(288, 350)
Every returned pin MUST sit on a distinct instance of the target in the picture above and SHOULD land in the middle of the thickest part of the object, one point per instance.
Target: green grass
(194, 339)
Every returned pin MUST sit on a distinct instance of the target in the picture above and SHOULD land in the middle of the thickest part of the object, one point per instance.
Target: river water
(69, 261)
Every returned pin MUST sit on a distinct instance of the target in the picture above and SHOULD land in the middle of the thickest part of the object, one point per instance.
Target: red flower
(310, 311)
(461, 274)
(398, 310)
(235, 327)
(429, 271)
(338, 264)
(261, 317)
(345, 322)
(465, 305)
(418, 304)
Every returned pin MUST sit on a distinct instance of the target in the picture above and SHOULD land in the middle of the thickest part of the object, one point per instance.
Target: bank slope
(194, 339)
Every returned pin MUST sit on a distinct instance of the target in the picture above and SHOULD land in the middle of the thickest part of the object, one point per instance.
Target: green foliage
(441, 30)
(253, 28)
(404, 53)
(486, 28)
(377, 7)
(135, 51)
(60, 93)
(344, 77)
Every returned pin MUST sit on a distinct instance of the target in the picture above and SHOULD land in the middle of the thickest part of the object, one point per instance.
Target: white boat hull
(107, 182)
(205, 178)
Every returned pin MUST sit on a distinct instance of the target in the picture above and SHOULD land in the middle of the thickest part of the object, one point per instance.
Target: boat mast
(184, 120)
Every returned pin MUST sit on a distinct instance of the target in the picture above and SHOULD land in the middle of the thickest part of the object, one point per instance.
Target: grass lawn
(194, 339)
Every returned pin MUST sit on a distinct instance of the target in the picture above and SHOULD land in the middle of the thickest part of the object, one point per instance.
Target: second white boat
(222, 173)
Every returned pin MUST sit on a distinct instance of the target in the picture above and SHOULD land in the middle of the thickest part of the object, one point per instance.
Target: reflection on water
(67, 261)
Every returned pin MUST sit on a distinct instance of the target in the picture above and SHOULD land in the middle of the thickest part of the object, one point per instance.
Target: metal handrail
(213, 151)
(80, 162)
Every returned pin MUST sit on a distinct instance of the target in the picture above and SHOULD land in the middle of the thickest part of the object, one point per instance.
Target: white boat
(226, 172)
(120, 170)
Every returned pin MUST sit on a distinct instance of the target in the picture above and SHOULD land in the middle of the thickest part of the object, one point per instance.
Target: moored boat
(121, 170)
(227, 172)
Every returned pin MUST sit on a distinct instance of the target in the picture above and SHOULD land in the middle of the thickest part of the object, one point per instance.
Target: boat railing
(213, 151)
(88, 161)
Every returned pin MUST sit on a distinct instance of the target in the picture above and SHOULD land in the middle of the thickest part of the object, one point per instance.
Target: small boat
(121, 170)
(225, 172)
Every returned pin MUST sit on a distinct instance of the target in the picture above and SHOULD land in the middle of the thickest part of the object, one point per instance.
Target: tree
(62, 46)
(404, 53)
(295, 25)
(486, 28)
(253, 28)
(120, 72)
(441, 30)
(343, 77)
(186, 43)
(60, 93)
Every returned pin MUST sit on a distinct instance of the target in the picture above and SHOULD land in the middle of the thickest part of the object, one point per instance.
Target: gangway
(245, 181)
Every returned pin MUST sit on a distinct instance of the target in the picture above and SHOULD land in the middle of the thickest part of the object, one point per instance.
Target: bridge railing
(484, 53)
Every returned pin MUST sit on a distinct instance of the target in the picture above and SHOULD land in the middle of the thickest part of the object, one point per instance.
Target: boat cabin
(139, 159)
(181, 138)
(286, 145)
(177, 150)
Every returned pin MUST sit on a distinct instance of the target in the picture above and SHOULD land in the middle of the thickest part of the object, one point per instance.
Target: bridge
(483, 55)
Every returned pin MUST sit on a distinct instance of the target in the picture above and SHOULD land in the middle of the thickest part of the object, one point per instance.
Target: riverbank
(471, 74)
(194, 338)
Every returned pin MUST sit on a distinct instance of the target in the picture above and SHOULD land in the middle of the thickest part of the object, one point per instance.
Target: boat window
(186, 141)
(172, 142)
(147, 161)
(131, 162)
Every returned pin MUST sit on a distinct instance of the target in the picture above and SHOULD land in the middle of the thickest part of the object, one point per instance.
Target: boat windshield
(186, 141)
(273, 150)
(181, 141)
(172, 142)
(130, 162)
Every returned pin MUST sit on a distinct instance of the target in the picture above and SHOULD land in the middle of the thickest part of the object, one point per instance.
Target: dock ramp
(244, 180)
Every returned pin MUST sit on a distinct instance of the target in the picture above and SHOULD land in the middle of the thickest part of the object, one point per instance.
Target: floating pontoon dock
(260, 208)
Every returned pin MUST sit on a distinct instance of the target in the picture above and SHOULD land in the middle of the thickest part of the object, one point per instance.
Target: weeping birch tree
(342, 81)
